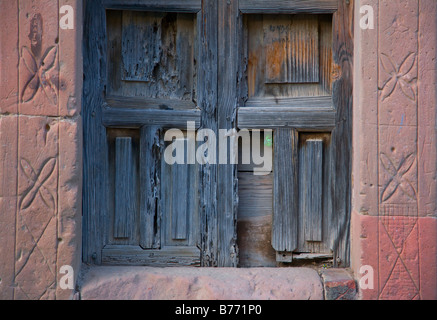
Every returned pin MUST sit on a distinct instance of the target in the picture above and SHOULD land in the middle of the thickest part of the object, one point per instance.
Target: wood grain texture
(285, 190)
(140, 45)
(152, 55)
(288, 6)
(180, 198)
(95, 186)
(343, 53)
(192, 6)
(311, 188)
(150, 186)
(227, 190)
(292, 49)
(283, 117)
(125, 193)
(135, 118)
(304, 245)
(287, 56)
(165, 257)
(207, 100)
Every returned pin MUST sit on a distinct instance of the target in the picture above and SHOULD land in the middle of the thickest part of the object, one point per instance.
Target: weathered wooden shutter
(149, 65)
(298, 82)
(140, 80)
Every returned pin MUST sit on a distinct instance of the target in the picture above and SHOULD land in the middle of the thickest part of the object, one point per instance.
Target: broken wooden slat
(311, 182)
(292, 49)
(125, 202)
(150, 217)
(285, 190)
(141, 45)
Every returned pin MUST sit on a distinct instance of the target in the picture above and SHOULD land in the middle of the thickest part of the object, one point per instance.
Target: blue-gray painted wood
(285, 190)
(191, 6)
(180, 201)
(95, 172)
(125, 193)
(150, 186)
(289, 6)
(311, 188)
(140, 44)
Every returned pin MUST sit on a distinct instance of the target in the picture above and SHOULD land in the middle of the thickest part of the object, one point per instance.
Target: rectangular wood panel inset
(125, 202)
(285, 190)
(141, 40)
(292, 49)
(311, 182)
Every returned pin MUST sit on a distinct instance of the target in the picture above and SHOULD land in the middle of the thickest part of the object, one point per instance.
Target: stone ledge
(146, 283)
(338, 285)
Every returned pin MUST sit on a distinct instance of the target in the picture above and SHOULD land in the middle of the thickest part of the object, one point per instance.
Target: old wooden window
(150, 66)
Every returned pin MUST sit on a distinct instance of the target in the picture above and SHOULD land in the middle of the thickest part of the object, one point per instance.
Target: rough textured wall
(394, 193)
(40, 148)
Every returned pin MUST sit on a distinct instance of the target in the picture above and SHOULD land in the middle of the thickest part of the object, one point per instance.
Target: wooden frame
(220, 79)
(292, 116)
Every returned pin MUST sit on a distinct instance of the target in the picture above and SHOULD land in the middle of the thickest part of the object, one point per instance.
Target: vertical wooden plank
(150, 169)
(342, 135)
(285, 190)
(311, 182)
(276, 41)
(185, 54)
(207, 100)
(179, 208)
(95, 186)
(125, 200)
(141, 41)
(292, 49)
(229, 28)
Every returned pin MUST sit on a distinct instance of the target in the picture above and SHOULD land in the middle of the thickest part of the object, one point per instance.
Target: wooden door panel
(151, 65)
(152, 55)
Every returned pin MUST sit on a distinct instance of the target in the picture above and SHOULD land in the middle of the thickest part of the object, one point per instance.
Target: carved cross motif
(399, 75)
(38, 66)
(398, 179)
(37, 183)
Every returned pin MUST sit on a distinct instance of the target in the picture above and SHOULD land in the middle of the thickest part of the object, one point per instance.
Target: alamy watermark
(204, 147)
(66, 282)
(366, 278)
(66, 21)
(367, 21)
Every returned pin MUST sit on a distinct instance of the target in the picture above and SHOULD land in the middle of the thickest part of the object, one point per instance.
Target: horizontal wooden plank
(155, 5)
(275, 117)
(166, 257)
(323, 102)
(146, 103)
(129, 117)
(255, 194)
(288, 6)
(312, 256)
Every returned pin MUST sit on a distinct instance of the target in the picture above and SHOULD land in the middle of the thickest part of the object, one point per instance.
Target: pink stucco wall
(393, 227)
(394, 150)
(40, 148)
